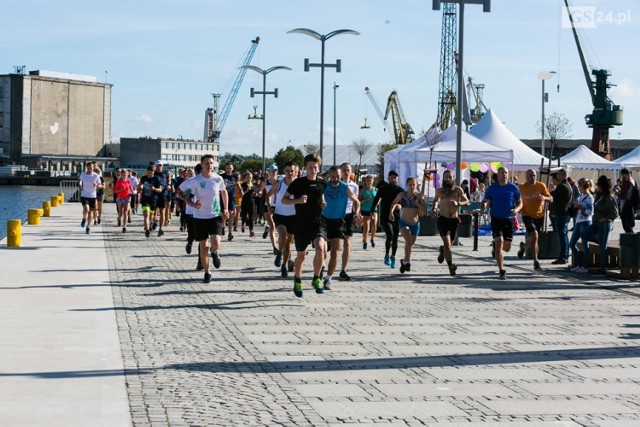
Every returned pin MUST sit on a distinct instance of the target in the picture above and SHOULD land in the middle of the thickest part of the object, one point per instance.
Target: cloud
(143, 118)
(625, 90)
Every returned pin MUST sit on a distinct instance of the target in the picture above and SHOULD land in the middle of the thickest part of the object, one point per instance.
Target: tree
(235, 159)
(556, 128)
(288, 154)
(383, 148)
(310, 148)
(252, 165)
(361, 146)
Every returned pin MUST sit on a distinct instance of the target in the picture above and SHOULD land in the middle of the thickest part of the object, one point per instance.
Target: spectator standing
(584, 205)
(562, 200)
(605, 211)
(628, 200)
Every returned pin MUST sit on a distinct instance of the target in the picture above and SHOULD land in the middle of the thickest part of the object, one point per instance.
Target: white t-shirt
(354, 189)
(134, 184)
(207, 192)
(281, 208)
(185, 186)
(88, 189)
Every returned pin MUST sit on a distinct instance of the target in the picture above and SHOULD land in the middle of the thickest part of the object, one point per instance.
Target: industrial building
(136, 153)
(52, 121)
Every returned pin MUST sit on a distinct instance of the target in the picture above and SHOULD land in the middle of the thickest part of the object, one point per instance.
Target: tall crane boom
(373, 101)
(605, 113)
(215, 120)
(448, 65)
(401, 128)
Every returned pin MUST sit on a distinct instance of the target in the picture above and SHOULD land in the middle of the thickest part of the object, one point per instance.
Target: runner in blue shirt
(505, 204)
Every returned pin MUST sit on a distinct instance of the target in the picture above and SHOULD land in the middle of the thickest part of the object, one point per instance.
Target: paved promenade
(116, 329)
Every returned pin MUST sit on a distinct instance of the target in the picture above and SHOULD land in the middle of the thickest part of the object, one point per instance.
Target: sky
(166, 57)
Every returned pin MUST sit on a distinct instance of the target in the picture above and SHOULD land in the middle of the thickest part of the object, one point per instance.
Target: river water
(16, 199)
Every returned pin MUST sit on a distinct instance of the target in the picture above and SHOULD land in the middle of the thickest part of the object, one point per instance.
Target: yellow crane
(402, 130)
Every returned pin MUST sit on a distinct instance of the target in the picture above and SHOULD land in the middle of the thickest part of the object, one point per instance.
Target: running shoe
(230, 238)
(581, 270)
(283, 271)
(99, 220)
(364, 246)
(290, 265)
(521, 250)
(119, 222)
(252, 234)
(297, 288)
(207, 278)
(401, 266)
(235, 228)
(387, 260)
(373, 243)
(216, 259)
(83, 222)
(278, 261)
(344, 276)
(147, 233)
(187, 248)
(441, 254)
(326, 283)
(452, 269)
(95, 222)
(265, 233)
(87, 230)
(160, 233)
(503, 275)
(393, 262)
(242, 228)
(181, 228)
(129, 220)
(154, 225)
(199, 267)
(124, 229)
(536, 266)
(407, 267)
(317, 285)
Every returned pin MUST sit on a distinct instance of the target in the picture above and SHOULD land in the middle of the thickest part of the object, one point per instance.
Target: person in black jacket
(387, 192)
(562, 200)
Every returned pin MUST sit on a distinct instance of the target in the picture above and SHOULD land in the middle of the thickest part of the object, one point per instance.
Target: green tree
(235, 159)
(288, 154)
(383, 148)
(252, 165)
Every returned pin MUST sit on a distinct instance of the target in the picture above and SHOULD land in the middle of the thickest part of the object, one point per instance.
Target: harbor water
(15, 200)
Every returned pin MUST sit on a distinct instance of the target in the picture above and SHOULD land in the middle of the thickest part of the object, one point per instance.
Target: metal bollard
(60, 198)
(46, 207)
(14, 233)
(55, 201)
(33, 216)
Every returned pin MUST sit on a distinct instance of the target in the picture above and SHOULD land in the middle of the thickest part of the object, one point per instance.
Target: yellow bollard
(14, 233)
(40, 212)
(55, 201)
(60, 198)
(33, 217)
(46, 207)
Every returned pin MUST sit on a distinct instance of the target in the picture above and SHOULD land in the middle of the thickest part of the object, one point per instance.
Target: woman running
(410, 203)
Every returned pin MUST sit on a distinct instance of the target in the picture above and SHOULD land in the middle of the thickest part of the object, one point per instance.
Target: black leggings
(246, 213)
(189, 221)
(391, 231)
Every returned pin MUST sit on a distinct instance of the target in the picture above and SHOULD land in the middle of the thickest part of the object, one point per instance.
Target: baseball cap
(392, 173)
(273, 167)
(158, 162)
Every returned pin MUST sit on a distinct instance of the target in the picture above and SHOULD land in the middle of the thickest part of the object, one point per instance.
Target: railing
(71, 190)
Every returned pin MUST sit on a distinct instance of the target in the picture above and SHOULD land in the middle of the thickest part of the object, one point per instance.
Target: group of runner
(307, 210)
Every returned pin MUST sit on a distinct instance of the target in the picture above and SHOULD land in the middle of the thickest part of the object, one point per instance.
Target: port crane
(380, 113)
(605, 113)
(215, 118)
(402, 131)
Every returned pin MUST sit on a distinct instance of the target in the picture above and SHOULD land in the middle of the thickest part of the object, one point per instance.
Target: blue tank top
(336, 198)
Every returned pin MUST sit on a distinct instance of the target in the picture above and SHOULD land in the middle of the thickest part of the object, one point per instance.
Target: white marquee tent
(583, 158)
(490, 129)
(631, 159)
(409, 160)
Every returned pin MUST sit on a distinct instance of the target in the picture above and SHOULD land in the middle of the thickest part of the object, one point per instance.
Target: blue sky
(166, 57)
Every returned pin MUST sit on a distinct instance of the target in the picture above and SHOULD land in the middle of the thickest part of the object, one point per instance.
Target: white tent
(409, 160)
(631, 159)
(584, 158)
(490, 129)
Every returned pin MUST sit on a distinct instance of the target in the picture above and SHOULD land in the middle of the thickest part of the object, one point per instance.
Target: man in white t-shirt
(88, 182)
(210, 201)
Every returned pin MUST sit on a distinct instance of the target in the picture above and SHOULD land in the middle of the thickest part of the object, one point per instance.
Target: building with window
(53, 121)
(136, 153)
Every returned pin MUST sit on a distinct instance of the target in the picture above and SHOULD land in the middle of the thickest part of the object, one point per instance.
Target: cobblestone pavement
(413, 349)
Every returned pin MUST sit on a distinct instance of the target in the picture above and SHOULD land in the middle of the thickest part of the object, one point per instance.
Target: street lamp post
(322, 65)
(335, 87)
(264, 94)
(544, 75)
(459, 103)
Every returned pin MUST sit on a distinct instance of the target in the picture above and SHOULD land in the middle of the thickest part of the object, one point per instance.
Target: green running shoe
(297, 288)
(317, 285)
